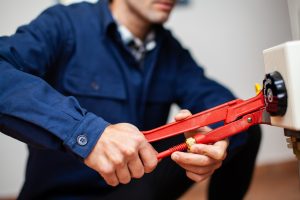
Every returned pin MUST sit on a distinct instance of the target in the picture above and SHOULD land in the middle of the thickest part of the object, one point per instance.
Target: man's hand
(122, 153)
(202, 159)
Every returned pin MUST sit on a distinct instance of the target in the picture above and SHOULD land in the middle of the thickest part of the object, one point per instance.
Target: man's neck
(136, 25)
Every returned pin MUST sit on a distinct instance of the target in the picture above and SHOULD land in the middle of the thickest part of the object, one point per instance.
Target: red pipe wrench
(238, 115)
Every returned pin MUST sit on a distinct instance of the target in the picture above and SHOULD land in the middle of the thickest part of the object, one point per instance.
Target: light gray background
(226, 37)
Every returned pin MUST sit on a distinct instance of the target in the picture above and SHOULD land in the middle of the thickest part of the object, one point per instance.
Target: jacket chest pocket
(99, 92)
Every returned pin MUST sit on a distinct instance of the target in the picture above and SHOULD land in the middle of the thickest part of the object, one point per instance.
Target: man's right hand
(121, 153)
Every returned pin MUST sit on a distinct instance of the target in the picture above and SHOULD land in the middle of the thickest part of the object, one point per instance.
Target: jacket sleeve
(197, 92)
(30, 109)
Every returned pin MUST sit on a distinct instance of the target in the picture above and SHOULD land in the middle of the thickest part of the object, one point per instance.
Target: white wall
(226, 37)
(294, 8)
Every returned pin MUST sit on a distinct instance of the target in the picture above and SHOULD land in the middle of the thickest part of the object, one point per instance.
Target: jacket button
(82, 140)
(95, 85)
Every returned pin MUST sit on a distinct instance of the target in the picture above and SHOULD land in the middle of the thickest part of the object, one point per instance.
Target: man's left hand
(202, 159)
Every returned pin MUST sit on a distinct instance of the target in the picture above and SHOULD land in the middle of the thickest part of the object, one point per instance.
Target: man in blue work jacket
(79, 83)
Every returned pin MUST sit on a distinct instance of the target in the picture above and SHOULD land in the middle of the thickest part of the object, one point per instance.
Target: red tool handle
(221, 132)
(227, 112)
(198, 120)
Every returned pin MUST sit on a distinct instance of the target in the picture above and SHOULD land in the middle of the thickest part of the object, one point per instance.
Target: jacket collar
(107, 22)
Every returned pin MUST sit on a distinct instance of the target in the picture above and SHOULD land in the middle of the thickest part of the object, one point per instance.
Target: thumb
(203, 130)
(182, 114)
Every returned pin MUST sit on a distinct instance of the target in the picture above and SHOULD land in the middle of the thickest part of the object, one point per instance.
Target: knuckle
(205, 161)
(125, 179)
(138, 173)
(224, 155)
(220, 155)
(150, 166)
(129, 152)
(148, 169)
(118, 162)
(186, 159)
(185, 111)
(109, 180)
(139, 138)
(106, 171)
(112, 183)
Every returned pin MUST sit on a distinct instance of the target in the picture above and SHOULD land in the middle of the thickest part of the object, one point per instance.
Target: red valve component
(238, 115)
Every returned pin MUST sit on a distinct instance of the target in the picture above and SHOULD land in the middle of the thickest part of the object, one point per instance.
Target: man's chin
(162, 18)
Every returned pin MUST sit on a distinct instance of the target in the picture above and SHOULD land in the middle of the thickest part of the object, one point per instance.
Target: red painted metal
(238, 115)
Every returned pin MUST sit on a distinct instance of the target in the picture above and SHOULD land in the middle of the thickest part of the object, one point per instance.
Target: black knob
(275, 94)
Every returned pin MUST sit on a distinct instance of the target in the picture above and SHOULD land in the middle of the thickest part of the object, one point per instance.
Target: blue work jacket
(67, 75)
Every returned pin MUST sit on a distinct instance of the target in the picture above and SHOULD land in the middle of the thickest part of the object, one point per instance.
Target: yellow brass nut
(257, 88)
(189, 142)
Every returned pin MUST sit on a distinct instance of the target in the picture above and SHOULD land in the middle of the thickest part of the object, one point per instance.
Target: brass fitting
(189, 142)
(257, 88)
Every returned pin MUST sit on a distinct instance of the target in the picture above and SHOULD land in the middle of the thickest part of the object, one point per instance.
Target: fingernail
(175, 156)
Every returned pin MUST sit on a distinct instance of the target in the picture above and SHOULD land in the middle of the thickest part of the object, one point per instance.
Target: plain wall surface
(294, 10)
(226, 37)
